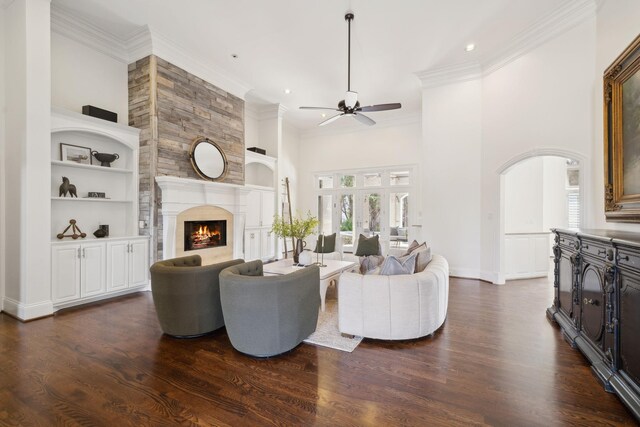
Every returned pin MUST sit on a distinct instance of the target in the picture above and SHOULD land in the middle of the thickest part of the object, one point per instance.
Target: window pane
(372, 179)
(398, 219)
(346, 222)
(347, 181)
(324, 214)
(371, 214)
(399, 178)
(325, 182)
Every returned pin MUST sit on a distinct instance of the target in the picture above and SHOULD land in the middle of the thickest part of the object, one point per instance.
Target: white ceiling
(302, 44)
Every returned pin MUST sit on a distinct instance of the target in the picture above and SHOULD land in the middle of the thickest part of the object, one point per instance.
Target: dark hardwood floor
(496, 361)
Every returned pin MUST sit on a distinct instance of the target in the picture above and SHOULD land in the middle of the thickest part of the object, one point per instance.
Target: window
(347, 181)
(372, 179)
(399, 178)
(325, 181)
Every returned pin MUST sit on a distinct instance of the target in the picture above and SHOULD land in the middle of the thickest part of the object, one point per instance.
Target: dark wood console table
(597, 304)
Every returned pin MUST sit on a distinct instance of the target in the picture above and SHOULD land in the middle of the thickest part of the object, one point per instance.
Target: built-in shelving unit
(91, 268)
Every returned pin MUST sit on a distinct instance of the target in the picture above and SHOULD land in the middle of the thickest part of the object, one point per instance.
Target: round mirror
(207, 159)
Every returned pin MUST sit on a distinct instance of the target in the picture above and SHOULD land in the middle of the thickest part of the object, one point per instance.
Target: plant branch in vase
(299, 228)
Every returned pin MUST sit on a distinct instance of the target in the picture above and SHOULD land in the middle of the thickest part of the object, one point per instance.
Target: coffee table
(330, 273)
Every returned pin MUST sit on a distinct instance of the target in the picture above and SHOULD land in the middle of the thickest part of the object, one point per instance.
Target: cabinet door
(268, 208)
(92, 270)
(254, 211)
(138, 263)
(252, 244)
(117, 265)
(268, 243)
(566, 291)
(593, 304)
(629, 349)
(65, 272)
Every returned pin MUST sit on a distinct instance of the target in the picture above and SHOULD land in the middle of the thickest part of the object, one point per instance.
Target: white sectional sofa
(394, 307)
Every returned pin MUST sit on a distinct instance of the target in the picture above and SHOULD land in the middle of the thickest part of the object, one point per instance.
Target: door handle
(79, 256)
(590, 301)
(83, 253)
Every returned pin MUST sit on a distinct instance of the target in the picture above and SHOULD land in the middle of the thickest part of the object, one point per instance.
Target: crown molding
(177, 55)
(447, 75)
(272, 111)
(410, 118)
(552, 25)
(141, 43)
(555, 23)
(70, 25)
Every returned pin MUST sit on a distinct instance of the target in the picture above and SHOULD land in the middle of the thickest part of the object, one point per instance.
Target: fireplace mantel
(180, 194)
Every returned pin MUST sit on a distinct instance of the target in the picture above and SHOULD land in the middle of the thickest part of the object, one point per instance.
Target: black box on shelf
(90, 110)
(257, 150)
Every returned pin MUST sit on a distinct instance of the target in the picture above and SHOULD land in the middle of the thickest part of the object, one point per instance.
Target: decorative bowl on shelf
(105, 158)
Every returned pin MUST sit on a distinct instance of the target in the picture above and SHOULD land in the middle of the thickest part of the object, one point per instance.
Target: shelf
(89, 167)
(91, 199)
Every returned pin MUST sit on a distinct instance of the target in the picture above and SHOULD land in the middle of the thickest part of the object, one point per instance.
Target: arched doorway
(539, 190)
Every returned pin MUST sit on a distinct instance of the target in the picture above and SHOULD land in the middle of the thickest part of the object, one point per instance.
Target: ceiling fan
(350, 106)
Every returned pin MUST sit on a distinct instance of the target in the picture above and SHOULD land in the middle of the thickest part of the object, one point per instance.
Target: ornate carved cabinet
(597, 305)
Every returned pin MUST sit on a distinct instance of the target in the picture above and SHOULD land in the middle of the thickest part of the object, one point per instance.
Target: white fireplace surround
(180, 194)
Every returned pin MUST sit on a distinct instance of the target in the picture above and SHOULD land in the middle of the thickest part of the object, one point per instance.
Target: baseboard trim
(26, 312)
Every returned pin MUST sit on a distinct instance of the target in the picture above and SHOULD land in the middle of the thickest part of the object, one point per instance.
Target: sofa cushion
(368, 246)
(368, 263)
(393, 266)
(328, 246)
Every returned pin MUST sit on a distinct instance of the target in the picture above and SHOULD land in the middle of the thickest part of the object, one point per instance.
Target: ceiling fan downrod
(349, 17)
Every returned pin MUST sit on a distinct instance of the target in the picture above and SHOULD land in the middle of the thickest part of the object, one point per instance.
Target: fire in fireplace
(204, 234)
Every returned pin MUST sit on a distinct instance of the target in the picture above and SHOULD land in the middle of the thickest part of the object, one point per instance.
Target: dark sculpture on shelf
(67, 187)
(105, 159)
(76, 231)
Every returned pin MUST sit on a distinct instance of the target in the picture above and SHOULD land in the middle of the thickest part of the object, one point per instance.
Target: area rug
(327, 333)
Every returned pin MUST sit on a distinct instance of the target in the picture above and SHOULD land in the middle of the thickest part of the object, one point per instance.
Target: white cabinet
(127, 264)
(89, 269)
(259, 241)
(78, 271)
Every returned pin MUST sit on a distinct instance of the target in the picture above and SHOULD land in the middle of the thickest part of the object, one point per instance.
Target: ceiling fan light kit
(350, 106)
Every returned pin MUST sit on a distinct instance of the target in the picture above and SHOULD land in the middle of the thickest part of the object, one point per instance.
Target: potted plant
(299, 228)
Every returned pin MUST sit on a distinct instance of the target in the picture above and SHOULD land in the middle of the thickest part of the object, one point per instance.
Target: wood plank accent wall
(172, 107)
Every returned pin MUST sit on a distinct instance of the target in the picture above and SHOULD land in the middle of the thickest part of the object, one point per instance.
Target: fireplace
(204, 234)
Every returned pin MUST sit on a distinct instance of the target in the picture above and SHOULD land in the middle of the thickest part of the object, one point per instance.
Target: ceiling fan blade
(363, 119)
(380, 107)
(331, 119)
(319, 108)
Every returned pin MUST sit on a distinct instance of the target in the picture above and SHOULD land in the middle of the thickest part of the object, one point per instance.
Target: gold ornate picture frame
(622, 136)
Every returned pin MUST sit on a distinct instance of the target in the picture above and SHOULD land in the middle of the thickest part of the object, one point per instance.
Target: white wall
(452, 117)
(3, 178)
(555, 212)
(617, 26)
(288, 162)
(82, 76)
(543, 101)
(366, 147)
(535, 196)
(28, 136)
(523, 197)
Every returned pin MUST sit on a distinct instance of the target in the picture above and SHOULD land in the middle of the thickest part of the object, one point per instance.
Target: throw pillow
(423, 257)
(393, 266)
(411, 247)
(328, 246)
(368, 246)
(368, 263)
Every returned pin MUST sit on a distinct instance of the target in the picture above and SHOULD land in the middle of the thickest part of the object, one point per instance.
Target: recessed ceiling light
(234, 55)
(323, 115)
(287, 91)
(470, 47)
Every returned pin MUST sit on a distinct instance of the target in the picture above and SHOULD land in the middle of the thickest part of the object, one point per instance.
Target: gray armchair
(269, 315)
(187, 295)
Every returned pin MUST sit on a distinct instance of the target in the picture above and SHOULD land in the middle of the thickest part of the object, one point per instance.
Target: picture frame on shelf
(75, 153)
(622, 136)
